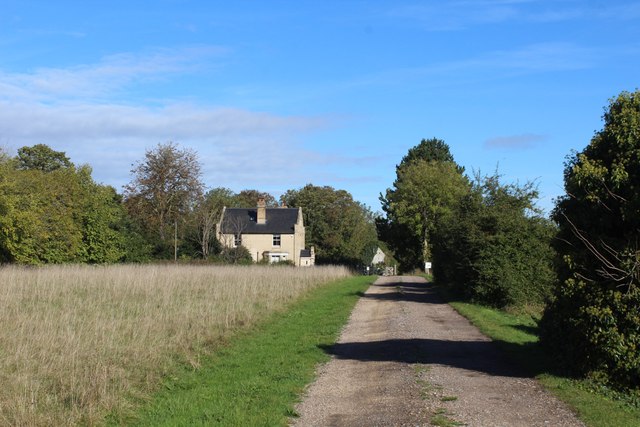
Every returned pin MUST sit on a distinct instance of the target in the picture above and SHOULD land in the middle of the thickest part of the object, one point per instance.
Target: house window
(237, 240)
(276, 240)
(277, 257)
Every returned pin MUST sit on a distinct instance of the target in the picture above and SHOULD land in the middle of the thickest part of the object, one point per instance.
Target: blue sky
(276, 94)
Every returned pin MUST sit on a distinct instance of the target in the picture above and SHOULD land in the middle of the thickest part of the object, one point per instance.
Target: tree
(164, 190)
(107, 235)
(341, 229)
(207, 213)
(428, 184)
(249, 199)
(593, 322)
(424, 194)
(41, 224)
(4, 156)
(41, 157)
(495, 248)
(57, 215)
(431, 150)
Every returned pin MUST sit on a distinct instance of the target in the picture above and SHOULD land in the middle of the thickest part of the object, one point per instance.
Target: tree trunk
(175, 240)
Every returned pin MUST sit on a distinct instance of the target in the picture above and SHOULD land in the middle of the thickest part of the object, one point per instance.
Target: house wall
(257, 244)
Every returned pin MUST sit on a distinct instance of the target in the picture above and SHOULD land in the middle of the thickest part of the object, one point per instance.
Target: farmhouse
(271, 234)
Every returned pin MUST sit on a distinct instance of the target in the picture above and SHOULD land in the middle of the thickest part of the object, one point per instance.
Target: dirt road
(407, 359)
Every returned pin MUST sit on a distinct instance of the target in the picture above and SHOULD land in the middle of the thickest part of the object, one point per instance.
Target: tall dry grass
(78, 341)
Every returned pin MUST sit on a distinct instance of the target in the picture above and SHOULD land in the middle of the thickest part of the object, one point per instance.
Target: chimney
(262, 211)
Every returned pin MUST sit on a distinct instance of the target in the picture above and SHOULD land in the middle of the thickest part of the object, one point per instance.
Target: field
(78, 342)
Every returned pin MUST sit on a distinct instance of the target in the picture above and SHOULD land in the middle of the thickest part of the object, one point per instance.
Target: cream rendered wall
(257, 244)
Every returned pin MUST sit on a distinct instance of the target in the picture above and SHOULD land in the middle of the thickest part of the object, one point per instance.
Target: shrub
(237, 255)
(592, 324)
(594, 331)
(495, 249)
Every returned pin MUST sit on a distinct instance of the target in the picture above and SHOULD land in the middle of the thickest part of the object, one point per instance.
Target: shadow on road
(406, 291)
(486, 357)
(480, 356)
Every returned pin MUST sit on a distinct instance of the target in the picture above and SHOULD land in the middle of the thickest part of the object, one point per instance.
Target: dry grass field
(79, 341)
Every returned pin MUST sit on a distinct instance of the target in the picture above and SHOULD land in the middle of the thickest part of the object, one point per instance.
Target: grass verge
(517, 335)
(259, 375)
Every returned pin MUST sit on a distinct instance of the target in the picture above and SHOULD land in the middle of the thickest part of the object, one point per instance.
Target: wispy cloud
(85, 111)
(458, 15)
(539, 57)
(112, 73)
(515, 142)
(534, 58)
(82, 121)
(624, 10)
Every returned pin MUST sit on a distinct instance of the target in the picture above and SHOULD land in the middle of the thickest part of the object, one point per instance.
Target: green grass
(517, 335)
(441, 419)
(256, 379)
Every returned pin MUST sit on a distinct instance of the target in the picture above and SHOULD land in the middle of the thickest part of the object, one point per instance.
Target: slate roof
(279, 221)
(305, 253)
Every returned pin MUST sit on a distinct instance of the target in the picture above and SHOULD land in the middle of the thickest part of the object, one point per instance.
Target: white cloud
(84, 111)
(234, 145)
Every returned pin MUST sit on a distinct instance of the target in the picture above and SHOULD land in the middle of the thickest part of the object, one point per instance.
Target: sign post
(427, 267)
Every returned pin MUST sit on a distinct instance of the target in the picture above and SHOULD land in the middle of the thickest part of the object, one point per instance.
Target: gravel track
(407, 359)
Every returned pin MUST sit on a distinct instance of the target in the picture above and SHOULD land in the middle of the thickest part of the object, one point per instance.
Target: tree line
(52, 211)
(490, 244)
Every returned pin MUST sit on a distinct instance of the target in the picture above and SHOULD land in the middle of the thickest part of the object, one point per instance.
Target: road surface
(407, 359)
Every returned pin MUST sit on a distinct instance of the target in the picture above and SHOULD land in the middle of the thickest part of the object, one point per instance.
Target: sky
(273, 95)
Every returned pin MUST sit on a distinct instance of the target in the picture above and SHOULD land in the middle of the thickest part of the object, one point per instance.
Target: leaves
(428, 184)
(341, 229)
(599, 233)
(41, 157)
(495, 247)
(58, 215)
(164, 189)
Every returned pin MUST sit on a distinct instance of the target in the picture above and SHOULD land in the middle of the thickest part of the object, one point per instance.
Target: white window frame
(278, 256)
